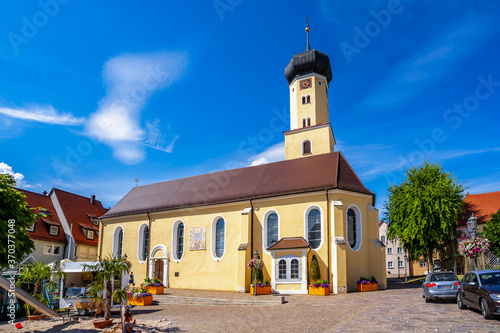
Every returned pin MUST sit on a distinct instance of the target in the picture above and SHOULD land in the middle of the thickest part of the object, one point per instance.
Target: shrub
(314, 272)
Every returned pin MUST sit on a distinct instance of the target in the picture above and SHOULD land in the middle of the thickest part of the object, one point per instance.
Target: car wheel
(460, 302)
(485, 310)
(427, 298)
(82, 312)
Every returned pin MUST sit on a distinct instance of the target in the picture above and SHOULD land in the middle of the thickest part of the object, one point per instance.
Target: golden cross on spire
(307, 31)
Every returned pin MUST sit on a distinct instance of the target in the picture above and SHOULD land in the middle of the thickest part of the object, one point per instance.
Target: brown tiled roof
(42, 225)
(483, 204)
(317, 172)
(76, 209)
(290, 243)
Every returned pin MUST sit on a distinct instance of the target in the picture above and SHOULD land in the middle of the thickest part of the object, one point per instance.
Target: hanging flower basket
(474, 247)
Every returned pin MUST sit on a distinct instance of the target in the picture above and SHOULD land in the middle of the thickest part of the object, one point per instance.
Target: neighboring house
(396, 259)
(47, 232)
(200, 232)
(79, 216)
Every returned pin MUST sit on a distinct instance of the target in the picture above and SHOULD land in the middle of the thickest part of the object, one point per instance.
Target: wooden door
(158, 271)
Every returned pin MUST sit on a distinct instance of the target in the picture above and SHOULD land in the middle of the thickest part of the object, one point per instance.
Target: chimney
(92, 199)
(44, 192)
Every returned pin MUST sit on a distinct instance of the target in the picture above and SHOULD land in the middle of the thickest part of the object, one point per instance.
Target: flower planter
(147, 300)
(102, 323)
(155, 290)
(319, 291)
(37, 317)
(261, 290)
(368, 287)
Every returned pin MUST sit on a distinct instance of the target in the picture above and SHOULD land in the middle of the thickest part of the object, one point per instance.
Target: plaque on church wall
(197, 238)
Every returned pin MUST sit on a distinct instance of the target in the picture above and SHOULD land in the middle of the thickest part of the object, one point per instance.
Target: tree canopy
(491, 232)
(15, 217)
(423, 210)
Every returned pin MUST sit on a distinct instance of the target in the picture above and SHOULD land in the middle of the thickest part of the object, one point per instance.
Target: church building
(200, 232)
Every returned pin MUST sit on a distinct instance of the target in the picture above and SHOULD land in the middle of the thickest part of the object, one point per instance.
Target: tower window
(306, 99)
(306, 122)
(306, 148)
(320, 83)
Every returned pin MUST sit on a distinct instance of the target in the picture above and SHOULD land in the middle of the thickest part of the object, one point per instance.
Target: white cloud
(131, 79)
(46, 115)
(272, 154)
(18, 177)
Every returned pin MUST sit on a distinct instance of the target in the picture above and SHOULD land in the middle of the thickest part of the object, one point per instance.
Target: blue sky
(95, 95)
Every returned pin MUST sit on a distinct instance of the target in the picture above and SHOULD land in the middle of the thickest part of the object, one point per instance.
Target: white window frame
(389, 250)
(382, 239)
(400, 264)
(116, 233)
(92, 232)
(140, 243)
(264, 228)
(303, 147)
(359, 229)
(288, 259)
(175, 240)
(306, 225)
(423, 263)
(56, 228)
(31, 227)
(213, 242)
(400, 250)
(390, 264)
(53, 250)
(47, 249)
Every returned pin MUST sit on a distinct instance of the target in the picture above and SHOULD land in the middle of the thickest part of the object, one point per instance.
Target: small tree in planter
(106, 269)
(314, 272)
(317, 286)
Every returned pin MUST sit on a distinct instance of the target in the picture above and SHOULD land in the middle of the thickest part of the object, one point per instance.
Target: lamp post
(255, 256)
(399, 276)
(406, 261)
(472, 226)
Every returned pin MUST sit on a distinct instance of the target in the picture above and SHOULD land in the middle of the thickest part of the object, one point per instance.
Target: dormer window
(46, 212)
(54, 231)
(31, 227)
(90, 234)
(95, 221)
(306, 99)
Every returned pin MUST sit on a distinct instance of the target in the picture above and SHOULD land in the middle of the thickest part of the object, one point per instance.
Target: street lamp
(255, 255)
(399, 276)
(472, 226)
(406, 261)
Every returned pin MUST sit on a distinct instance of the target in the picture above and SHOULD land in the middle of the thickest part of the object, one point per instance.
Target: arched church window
(272, 229)
(143, 247)
(354, 231)
(306, 147)
(118, 243)
(178, 240)
(314, 228)
(219, 238)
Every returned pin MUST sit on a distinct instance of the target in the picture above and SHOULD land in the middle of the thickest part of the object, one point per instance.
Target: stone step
(183, 300)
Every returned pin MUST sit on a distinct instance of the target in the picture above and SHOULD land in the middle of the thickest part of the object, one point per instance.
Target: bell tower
(308, 75)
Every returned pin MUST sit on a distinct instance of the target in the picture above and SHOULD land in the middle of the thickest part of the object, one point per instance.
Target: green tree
(106, 270)
(423, 209)
(314, 273)
(15, 217)
(491, 232)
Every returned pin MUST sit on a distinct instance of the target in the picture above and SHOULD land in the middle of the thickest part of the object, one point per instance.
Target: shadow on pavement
(395, 283)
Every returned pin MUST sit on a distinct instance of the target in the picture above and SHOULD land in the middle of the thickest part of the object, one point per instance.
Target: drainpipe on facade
(328, 234)
(149, 246)
(101, 226)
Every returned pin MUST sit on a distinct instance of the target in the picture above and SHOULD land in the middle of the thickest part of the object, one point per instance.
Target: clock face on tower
(304, 84)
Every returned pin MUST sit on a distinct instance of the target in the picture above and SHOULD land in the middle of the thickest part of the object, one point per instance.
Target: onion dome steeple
(310, 61)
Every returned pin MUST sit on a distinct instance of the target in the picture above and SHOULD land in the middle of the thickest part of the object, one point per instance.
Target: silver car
(440, 285)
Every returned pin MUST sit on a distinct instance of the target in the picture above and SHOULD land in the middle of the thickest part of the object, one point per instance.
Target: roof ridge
(75, 194)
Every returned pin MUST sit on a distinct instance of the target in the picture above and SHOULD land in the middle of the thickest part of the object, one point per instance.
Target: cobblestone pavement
(392, 310)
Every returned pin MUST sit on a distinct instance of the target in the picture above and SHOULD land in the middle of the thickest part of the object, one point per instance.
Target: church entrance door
(158, 272)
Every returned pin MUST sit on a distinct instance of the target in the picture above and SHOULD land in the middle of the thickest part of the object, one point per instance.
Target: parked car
(440, 285)
(480, 290)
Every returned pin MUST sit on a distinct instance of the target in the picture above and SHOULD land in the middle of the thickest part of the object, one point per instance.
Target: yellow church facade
(200, 232)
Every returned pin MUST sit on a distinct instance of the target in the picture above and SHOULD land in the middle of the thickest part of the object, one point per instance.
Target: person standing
(131, 280)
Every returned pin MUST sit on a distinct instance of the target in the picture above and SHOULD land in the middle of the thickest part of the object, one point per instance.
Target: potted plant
(263, 288)
(365, 284)
(154, 287)
(105, 270)
(319, 288)
(255, 265)
(139, 296)
(33, 277)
